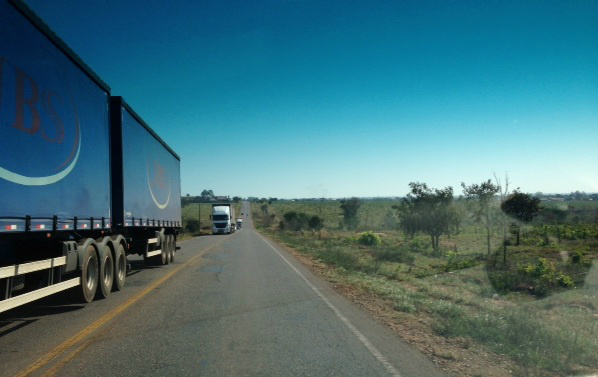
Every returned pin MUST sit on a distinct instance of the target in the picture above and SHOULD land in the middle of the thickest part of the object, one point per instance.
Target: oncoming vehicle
(223, 215)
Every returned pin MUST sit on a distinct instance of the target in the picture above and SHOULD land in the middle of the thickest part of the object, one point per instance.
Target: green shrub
(295, 221)
(539, 278)
(543, 270)
(504, 281)
(418, 246)
(392, 254)
(565, 280)
(192, 225)
(455, 262)
(315, 223)
(369, 239)
(405, 306)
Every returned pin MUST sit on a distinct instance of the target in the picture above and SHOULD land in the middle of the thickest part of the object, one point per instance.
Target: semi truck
(223, 218)
(84, 180)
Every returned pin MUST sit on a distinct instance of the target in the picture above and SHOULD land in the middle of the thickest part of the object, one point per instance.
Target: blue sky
(353, 98)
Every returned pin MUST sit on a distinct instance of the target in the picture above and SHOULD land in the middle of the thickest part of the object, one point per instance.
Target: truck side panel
(151, 177)
(55, 132)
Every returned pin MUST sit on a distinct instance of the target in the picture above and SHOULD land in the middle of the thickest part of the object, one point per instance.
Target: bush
(580, 259)
(454, 262)
(369, 239)
(539, 278)
(295, 221)
(418, 246)
(315, 223)
(504, 281)
(391, 254)
(192, 226)
(565, 280)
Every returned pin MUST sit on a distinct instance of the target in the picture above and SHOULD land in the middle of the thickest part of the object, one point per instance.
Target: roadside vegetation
(493, 269)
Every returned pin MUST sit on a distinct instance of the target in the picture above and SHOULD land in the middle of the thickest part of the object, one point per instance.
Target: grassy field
(540, 310)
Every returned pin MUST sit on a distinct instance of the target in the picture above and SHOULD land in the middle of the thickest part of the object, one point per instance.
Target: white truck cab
(223, 219)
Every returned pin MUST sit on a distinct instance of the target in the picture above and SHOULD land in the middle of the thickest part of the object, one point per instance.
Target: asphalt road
(233, 305)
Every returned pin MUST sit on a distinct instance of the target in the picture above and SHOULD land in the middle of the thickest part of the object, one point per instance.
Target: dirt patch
(456, 356)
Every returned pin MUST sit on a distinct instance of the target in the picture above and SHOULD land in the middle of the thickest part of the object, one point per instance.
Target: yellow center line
(44, 360)
(58, 366)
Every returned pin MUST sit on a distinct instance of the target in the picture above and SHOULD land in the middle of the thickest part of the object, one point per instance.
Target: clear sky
(321, 98)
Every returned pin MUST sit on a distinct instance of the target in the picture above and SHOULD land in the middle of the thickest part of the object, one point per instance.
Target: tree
(350, 208)
(457, 216)
(315, 223)
(480, 198)
(390, 220)
(522, 207)
(206, 195)
(503, 190)
(237, 199)
(427, 210)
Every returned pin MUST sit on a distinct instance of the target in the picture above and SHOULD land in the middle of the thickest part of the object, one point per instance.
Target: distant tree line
(208, 196)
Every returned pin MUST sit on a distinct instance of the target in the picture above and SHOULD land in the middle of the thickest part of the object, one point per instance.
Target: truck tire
(89, 274)
(106, 277)
(171, 247)
(165, 254)
(120, 267)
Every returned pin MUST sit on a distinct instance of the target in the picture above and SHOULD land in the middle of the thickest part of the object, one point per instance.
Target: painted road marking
(81, 335)
(362, 338)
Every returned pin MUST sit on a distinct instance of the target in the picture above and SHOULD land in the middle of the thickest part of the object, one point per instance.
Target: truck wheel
(89, 275)
(171, 247)
(164, 255)
(120, 268)
(106, 273)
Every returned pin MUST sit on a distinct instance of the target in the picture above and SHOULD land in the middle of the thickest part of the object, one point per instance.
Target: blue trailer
(146, 188)
(81, 188)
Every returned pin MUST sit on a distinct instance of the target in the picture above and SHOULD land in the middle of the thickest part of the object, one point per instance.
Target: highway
(230, 305)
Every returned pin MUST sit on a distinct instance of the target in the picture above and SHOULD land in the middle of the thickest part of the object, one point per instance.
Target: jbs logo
(158, 183)
(40, 125)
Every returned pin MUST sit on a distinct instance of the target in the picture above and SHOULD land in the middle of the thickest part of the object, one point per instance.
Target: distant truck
(239, 222)
(223, 218)
(84, 180)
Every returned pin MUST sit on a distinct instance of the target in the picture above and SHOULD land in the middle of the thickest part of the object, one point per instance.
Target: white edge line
(373, 350)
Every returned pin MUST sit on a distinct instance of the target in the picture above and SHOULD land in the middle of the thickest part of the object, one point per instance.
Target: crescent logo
(47, 180)
(40, 181)
(149, 185)
(36, 114)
